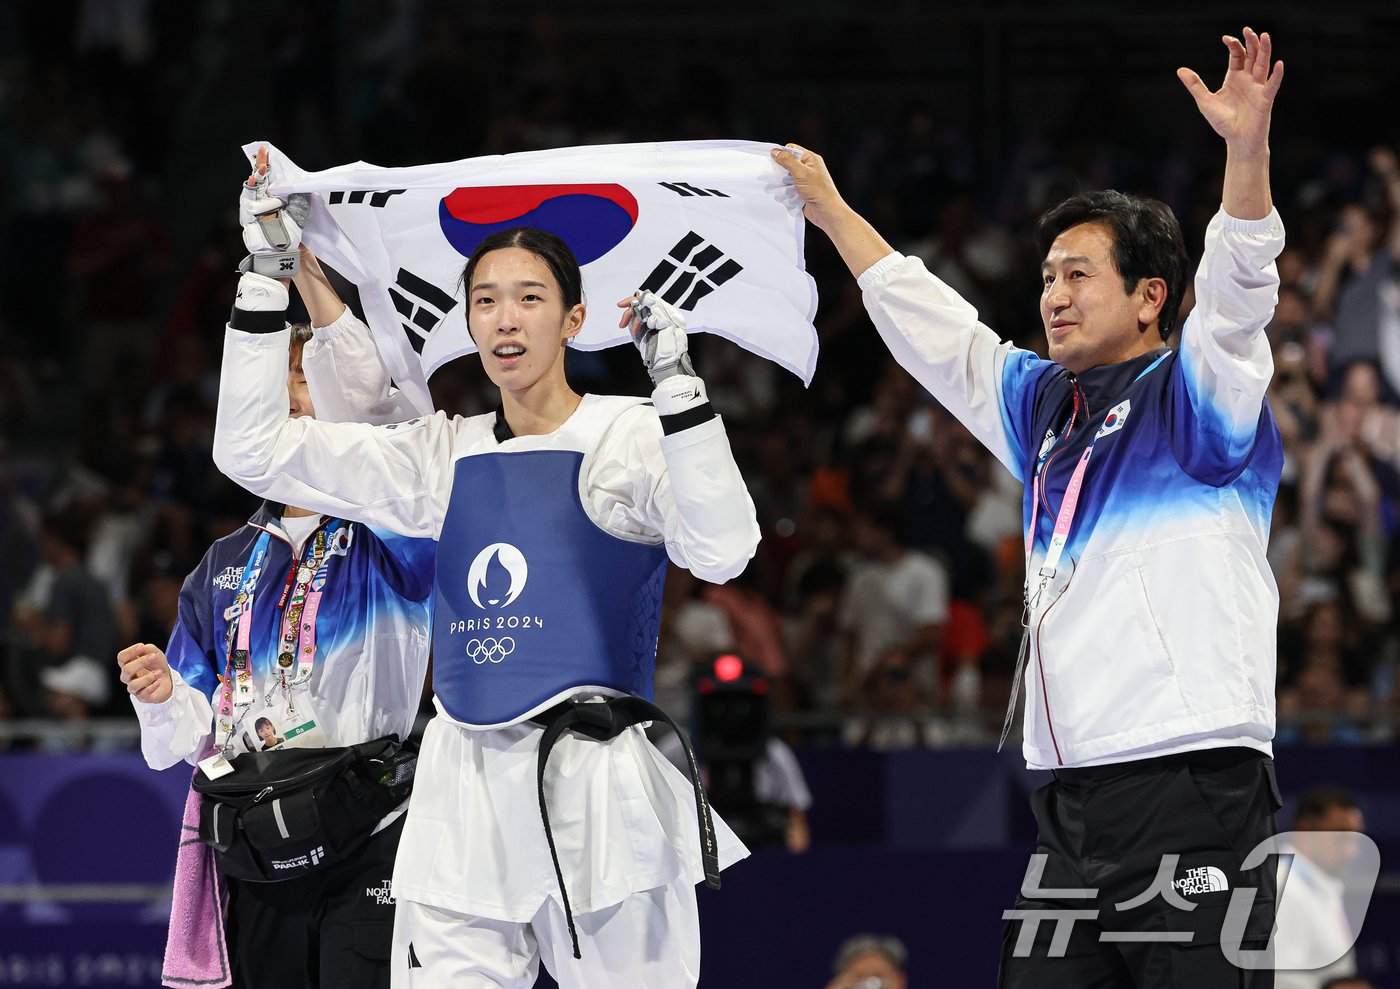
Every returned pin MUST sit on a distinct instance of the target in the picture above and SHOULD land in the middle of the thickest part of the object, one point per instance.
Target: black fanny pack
(284, 813)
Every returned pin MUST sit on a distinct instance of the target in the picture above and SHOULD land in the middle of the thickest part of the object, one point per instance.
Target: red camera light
(728, 668)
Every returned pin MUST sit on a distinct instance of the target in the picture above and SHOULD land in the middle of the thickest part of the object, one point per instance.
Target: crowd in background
(884, 605)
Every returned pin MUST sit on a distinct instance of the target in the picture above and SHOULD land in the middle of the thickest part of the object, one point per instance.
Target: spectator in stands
(1312, 918)
(893, 610)
(74, 622)
(1359, 264)
(76, 689)
(893, 706)
(1325, 666)
(812, 634)
(1341, 519)
(1316, 709)
(870, 961)
(692, 629)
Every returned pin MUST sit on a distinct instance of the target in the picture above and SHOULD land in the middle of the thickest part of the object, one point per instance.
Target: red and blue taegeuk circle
(591, 219)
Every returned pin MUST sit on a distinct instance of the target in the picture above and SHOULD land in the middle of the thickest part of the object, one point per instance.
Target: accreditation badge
(280, 724)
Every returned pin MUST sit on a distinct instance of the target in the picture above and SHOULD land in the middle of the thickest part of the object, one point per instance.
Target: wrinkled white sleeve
(395, 476)
(684, 488)
(347, 380)
(935, 335)
(180, 728)
(1225, 355)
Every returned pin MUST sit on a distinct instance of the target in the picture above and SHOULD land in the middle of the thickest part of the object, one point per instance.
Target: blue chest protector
(533, 600)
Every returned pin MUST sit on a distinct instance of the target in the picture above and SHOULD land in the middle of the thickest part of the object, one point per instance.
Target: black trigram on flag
(686, 189)
(421, 306)
(692, 270)
(376, 199)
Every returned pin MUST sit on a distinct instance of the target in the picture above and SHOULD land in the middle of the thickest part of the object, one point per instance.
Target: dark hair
(1147, 241)
(263, 721)
(890, 948)
(70, 525)
(549, 248)
(1314, 804)
(301, 334)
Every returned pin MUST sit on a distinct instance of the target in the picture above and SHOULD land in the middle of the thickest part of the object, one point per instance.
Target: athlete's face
(517, 317)
(266, 731)
(1089, 319)
(297, 391)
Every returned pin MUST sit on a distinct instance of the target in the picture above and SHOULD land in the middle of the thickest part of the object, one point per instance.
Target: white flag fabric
(713, 227)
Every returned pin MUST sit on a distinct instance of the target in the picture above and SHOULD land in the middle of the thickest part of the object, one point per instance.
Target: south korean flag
(713, 227)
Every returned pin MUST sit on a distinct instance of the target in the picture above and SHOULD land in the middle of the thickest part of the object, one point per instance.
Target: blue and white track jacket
(1157, 633)
(374, 619)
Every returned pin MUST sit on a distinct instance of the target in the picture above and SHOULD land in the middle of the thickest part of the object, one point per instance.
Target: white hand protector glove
(658, 330)
(272, 230)
(259, 293)
(659, 333)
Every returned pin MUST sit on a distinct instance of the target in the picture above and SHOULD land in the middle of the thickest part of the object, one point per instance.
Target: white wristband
(679, 393)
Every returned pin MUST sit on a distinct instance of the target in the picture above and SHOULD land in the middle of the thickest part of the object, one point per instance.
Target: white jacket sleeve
(684, 487)
(935, 335)
(180, 728)
(347, 380)
(1225, 355)
(396, 476)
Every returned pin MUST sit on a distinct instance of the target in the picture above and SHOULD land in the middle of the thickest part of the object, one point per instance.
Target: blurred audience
(885, 602)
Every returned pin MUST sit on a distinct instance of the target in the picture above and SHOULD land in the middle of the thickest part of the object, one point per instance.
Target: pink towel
(195, 951)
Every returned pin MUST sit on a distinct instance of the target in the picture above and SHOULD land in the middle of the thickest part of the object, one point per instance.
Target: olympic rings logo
(495, 650)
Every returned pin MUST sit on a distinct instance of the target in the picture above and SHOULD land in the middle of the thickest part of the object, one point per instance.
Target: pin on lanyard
(298, 638)
(237, 694)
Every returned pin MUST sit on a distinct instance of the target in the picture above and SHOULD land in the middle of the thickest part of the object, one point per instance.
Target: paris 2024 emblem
(495, 580)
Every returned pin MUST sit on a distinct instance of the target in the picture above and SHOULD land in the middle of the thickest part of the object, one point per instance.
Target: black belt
(602, 720)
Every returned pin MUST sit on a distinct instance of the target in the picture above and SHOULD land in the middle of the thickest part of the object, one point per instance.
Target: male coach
(1150, 475)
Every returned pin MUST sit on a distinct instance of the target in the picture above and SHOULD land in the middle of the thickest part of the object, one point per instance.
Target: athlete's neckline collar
(502, 431)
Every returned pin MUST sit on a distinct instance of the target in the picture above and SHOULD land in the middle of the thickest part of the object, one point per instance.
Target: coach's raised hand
(858, 243)
(1240, 111)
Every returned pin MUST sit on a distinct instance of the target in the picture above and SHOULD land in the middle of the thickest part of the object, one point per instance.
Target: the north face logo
(228, 580)
(1205, 879)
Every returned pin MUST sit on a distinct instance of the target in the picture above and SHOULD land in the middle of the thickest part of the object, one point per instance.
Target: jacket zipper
(273, 786)
(1044, 685)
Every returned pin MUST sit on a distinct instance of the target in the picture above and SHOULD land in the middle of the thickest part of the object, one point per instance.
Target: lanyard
(298, 631)
(1064, 519)
(1041, 464)
(301, 596)
(238, 676)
